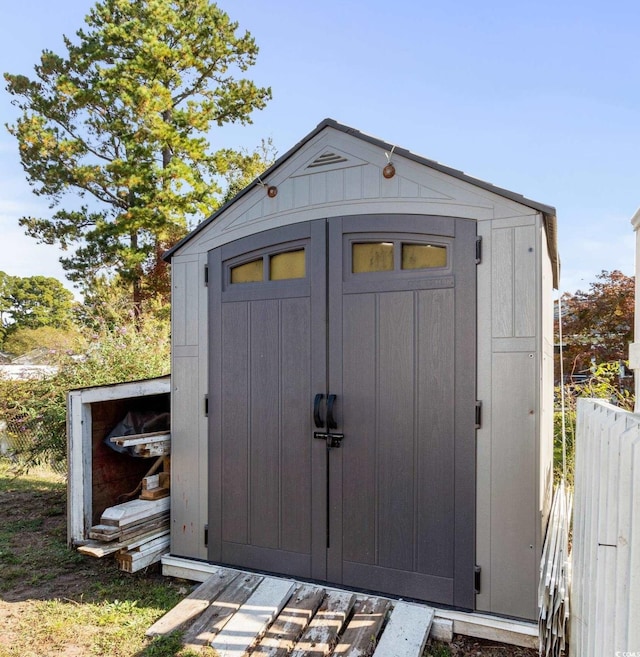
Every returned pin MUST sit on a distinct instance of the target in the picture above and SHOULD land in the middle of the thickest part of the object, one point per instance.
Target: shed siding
(512, 364)
(508, 541)
(304, 195)
(514, 560)
(189, 433)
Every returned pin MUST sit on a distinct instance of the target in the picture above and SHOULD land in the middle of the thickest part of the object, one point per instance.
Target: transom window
(369, 257)
(283, 266)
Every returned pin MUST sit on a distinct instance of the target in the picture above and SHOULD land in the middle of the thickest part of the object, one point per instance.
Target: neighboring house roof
(25, 372)
(548, 211)
(37, 356)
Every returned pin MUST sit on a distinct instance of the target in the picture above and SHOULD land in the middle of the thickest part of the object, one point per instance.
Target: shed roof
(548, 212)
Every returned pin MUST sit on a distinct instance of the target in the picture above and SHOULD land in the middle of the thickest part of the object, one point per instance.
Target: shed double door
(342, 404)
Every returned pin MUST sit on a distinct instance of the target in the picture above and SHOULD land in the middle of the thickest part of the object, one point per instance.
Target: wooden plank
(193, 605)
(135, 529)
(113, 391)
(497, 629)
(442, 629)
(130, 532)
(217, 615)
(253, 617)
(150, 450)
(104, 533)
(320, 637)
(406, 632)
(129, 512)
(141, 438)
(152, 481)
(361, 634)
(154, 493)
(147, 547)
(99, 549)
(291, 623)
(79, 467)
(139, 564)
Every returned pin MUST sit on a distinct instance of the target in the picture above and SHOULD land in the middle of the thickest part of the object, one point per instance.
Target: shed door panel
(402, 362)
(262, 342)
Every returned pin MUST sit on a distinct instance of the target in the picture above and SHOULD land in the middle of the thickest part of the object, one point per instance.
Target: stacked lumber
(147, 445)
(553, 589)
(156, 486)
(141, 556)
(136, 531)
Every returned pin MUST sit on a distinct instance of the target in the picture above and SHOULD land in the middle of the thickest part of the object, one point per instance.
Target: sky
(541, 98)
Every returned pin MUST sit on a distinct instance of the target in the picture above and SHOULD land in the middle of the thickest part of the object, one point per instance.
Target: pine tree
(115, 133)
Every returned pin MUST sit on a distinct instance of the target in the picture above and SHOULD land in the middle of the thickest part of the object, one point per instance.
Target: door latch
(333, 439)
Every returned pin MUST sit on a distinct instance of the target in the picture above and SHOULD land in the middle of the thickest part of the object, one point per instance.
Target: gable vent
(325, 159)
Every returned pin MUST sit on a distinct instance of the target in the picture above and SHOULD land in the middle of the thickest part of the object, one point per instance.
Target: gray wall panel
(514, 559)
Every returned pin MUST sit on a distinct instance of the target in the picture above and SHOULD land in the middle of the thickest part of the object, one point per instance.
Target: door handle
(317, 420)
(331, 422)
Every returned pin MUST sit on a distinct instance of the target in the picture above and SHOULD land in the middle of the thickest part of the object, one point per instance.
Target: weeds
(437, 649)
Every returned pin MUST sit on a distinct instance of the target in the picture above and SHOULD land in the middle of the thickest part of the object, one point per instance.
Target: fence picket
(606, 553)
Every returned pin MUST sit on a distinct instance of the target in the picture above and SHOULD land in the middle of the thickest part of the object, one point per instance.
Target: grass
(54, 601)
(436, 649)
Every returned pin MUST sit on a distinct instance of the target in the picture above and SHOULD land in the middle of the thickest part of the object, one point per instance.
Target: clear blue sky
(542, 98)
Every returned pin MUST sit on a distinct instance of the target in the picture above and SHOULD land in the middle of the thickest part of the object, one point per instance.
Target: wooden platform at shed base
(444, 623)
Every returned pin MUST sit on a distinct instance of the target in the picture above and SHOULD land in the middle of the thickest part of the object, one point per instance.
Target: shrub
(603, 383)
(115, 354)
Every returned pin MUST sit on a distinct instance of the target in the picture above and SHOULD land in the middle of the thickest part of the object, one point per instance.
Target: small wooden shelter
(362, 377)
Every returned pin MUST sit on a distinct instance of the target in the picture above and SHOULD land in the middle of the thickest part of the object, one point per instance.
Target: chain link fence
(18, 437)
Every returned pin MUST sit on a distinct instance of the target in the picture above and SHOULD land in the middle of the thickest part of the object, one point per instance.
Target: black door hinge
(478, 250)
(206, 535)
(478, 414)
(206, 405)
(206, 275)
(476, 578)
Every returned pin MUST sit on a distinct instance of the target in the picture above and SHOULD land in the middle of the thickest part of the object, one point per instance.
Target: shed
(97, 475)
(362, 377)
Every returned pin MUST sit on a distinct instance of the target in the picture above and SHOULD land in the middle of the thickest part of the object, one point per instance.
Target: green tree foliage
(31, 303)
(121, 121)
(37, 301)
(51, 338)
(597, 325)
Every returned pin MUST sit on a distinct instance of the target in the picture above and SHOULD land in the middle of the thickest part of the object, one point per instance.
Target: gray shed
(362, 377)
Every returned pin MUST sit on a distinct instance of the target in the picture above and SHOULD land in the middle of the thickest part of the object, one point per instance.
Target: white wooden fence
(605, 615)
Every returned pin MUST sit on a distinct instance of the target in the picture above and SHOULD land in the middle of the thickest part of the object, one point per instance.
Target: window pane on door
(423, 256)
(371, 256)
(249, 272)
(283, 266)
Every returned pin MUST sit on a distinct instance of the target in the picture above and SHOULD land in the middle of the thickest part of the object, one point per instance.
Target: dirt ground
(36, 565)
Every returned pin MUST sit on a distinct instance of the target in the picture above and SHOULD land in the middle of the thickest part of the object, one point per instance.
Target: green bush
(115, 354)
(24, 340)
